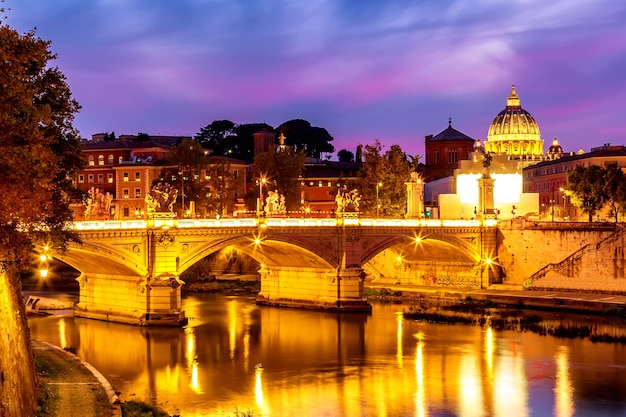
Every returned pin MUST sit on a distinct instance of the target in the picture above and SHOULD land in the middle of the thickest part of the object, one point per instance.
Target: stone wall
(524, 248)
(18, 386)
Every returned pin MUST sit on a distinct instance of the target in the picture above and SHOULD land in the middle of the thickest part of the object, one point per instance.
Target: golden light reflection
(399, 354)
(510, 388)
(489, 348)
(420, 392)
(191, 357)
(258, 391)
(232, 328)
(563, 391)
(62, 330)
(471, 398)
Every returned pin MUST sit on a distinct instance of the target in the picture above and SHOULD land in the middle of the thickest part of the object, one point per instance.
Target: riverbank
(562, 301)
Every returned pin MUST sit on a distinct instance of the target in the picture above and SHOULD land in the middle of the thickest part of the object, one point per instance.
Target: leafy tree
(222, 186)
(381, 178)
(312, 140)
(614, 189)
(585, 186)
(217, 136)
(183, 170)
(141, 137)
(345, 155)
(39, 154)
(282, 168)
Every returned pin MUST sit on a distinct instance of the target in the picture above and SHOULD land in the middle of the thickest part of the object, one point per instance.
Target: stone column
(485, 196)
(414, 198)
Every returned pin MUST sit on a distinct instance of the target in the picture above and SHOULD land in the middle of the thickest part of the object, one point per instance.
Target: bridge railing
(271, 222)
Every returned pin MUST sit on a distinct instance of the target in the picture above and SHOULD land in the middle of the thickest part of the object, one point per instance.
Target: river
(325, 364)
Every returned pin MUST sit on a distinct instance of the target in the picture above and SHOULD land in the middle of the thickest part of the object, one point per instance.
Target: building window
(319, 184)
(100, 178)
(436, 157)
(302, 183)
(110, 178)
(90, 179)
(81, 179)
(235, 174)
(119, 160)
(137, 192)
(137, 176)
(330, 184)
(453, 156)
(100, 159)
(126, 177)
(91, 161)
(111, 159)
(125, 192)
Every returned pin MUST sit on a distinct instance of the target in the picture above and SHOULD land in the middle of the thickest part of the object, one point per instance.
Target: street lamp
(563, 197)
(259, 205)
(380, 184)
(182, 194)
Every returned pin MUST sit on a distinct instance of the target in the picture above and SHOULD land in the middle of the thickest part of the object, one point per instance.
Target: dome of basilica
(514, 131)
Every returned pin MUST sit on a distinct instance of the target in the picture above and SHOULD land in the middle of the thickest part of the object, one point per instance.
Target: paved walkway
(595, 302)
(81, 390)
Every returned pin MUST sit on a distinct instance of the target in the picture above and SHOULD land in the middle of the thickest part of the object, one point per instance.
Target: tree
(216, 136)
(312, 140)
(614, 189)
(183, 170)
(222, 186)
(345, 155)
(243, 144)
(282, 169)
(39, 154)
(381, 179)
(585, 186)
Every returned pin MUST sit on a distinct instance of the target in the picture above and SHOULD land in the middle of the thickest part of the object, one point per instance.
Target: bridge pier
(131, 300)
(313, 288)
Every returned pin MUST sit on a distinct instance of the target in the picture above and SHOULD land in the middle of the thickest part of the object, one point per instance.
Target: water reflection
(317, 363)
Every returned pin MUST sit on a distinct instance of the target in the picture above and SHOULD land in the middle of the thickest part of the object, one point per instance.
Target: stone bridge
(130, 269)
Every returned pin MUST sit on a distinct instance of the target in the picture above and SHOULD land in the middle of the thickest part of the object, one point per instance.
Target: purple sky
(392, 70)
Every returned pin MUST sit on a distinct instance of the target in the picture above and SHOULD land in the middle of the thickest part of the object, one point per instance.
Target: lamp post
(380, 184)
(259, 206)
(552, 202)
(182, 186)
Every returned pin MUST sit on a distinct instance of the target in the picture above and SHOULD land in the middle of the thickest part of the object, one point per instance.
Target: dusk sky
(392, 70)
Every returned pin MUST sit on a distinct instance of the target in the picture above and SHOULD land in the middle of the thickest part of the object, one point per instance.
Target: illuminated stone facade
(514, 132)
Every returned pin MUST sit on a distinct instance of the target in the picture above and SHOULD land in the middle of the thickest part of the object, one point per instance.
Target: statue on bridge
(347, 201)
(161, 198)
(274, 204)
(98, 205)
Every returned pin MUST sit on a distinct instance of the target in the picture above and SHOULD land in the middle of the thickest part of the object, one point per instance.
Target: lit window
(100, 159)
(319, 184)
(137, 176)
(125, 192)
(126, 177)
(119, 160)
(111, 160)
(110, 178)
(302, 183)
(137, 192)
(330, 183)
(91, 161)
(81, 179)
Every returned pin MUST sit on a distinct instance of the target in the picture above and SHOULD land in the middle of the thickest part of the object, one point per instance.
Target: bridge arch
(93, 258)
(438, 246)
(274, 251)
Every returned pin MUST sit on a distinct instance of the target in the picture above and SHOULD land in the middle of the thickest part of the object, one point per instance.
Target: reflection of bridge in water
(130, 269)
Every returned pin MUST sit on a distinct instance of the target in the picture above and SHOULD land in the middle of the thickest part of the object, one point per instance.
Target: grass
(141, 409)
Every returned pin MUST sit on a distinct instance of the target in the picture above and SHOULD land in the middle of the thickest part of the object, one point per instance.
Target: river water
(322, 364)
